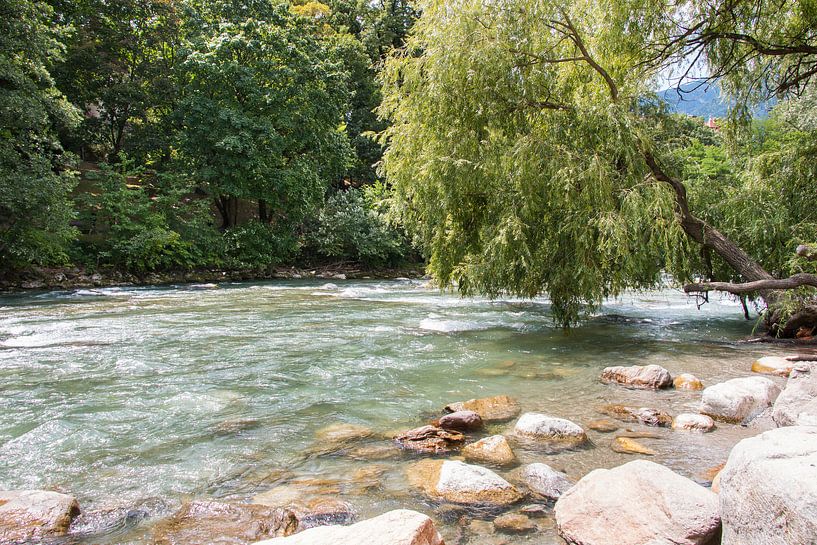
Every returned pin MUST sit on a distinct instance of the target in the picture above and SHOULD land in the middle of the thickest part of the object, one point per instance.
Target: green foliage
(35, 181)
(352, 225)
(257, 245)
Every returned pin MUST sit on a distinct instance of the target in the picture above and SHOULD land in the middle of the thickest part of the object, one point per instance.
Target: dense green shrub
(257, 245)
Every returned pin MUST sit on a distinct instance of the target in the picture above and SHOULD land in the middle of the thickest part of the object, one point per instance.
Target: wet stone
(430, 440)
(27, 515)
(687, 381)
(491, 409)
(642, 415)
(638, 376)
(461, 421)
(625, 445)
(602, 425)
(514, 523)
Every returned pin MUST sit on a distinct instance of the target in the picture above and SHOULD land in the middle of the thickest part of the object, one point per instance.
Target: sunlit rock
(549, 429)
(430, 440)
(493, 450)
(773, 365)
(797, 404)
(399, 527)
(458, 482)
(602, 425)
(643, 415)
(693, 422)
(544, 480)
(635, 504)
(33, 515)
(768, 489)
(491, 409)
(626, 445)
(218, 523)
(461, 421)
(638, 376)
(739, 399)
(514, 523)
(687, 381)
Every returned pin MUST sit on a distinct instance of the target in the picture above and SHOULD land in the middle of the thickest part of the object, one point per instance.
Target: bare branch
(794, 281)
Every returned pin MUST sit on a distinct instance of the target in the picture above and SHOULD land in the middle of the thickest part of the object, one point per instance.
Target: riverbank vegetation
(525, 149)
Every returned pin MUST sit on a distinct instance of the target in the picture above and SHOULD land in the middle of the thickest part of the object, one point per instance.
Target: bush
(257, 245)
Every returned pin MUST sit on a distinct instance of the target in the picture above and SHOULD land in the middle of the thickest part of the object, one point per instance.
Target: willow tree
(526, 159)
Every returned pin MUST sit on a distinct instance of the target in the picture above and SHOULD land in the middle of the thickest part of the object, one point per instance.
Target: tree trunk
(263, 214)
(227, 206)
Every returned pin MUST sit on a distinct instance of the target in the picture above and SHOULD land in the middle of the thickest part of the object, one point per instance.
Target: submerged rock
(638, 376)
(32, 515)
(603, 425)
(768, 489)
(642, 415)
(430, 440)
(686, 381)
(399, 527)
(797, 404)
(457, 482)
(493, 450)
(491, 409)
(773, 365)
(549, 429)
(514, 523)
(461, 421)
(637, 503)
(544, 480)
(218, 523)
(738, 400)
(693, 422)
(625, 445)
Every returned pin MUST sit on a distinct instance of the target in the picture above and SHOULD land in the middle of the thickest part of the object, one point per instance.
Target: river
(150, 396)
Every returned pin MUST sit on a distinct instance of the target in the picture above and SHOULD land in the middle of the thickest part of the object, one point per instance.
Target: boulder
(686, 381)
(31, 515)
(637, 503)
(738, 400)
(549, 429)
(430, 440)
(768, 489)
(638, 376)
(693, 422)
(457, 482)
(642, 415)
(625, 445)
(399, 527)
(218, 523)
(797, 404)
(491, 409)
(773, 365)
(461, 421)
(492, 450)
(514, 523)
(544, 480)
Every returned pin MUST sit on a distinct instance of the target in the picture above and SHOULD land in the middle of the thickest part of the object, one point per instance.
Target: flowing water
(152, 396)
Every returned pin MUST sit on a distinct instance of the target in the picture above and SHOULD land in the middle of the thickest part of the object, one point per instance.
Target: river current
(152, 396)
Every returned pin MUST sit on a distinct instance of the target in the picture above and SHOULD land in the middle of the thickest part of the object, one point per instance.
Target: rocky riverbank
(765, 494)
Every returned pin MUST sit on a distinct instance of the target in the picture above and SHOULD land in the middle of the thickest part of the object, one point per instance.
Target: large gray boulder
(738, 400)
(461, 483)
(768, 489)
(797, 404)
(544, 480)
(549, 429)
(32, 515)
(652, 377)
(638, 503)
(399, 527)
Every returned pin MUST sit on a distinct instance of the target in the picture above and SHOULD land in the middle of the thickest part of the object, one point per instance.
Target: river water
(152, 396)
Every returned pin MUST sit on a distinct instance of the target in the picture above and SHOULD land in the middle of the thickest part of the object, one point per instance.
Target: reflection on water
(134, 397)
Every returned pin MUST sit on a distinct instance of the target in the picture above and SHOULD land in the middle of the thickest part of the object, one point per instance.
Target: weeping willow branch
(792, 282)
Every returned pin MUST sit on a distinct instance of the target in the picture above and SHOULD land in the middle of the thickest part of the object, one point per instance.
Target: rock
(638, 376)
(224, 524)
(31, 515)
(461, 421)
(544, 480)
(428, 439)
(491, 409)
(642, 415)
(768, 489)
(457, 482)
(322, 511)
(534, 510)
(797, 404)
(716, 483)
(377, 451)
(625, 445)
(773, 365)
(341, 433)
(602, 425)
(514, 523)
(686, 381)
(690, 421)
(738, 400)
(399, 527)
(637, 503)
(542, 427)
(493, 450)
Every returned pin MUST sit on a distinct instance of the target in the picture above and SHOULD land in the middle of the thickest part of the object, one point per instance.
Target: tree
(526, 159)
(35, 183)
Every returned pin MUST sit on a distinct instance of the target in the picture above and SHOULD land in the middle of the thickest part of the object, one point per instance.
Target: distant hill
(704, 101)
